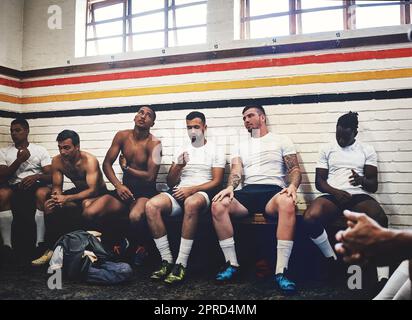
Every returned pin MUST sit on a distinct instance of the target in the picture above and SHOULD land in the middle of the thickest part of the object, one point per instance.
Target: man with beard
(196, 173)
(263, 160)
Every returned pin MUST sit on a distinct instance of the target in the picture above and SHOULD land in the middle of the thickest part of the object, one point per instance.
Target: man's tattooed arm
(235, 176)
(292, 165)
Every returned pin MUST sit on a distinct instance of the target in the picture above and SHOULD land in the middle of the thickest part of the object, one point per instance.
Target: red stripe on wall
(264, 63)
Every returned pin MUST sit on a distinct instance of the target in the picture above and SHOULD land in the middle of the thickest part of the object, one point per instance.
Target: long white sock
(40, 226)
(229, 251)
(184, 251)
(323, 243)
(395, 283)
(383, 272)
(284, 249)
(162, 245)
(6, 218)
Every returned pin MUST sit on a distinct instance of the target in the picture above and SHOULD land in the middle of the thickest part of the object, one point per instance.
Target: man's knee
(380, 217)
(5, 197)
(153, 208)
(136, 216)
(89, 212)
(193, 206)
(220, 207)
(285, 204)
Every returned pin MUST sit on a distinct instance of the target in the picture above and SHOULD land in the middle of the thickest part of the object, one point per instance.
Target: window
(273, 18)
(115, 26)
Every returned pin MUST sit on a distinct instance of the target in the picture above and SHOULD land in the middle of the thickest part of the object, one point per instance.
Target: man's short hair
(349, 120)
(196, 114)
(259, 108)
(154, 112)
(69, 134)
(21, 121)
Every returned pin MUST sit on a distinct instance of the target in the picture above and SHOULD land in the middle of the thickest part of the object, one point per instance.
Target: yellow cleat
(45, 258)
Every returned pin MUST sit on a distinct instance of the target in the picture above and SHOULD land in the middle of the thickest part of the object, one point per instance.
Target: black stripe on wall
(315, 98)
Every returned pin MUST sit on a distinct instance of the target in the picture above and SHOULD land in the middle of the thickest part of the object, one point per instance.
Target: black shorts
(355, 199)
(76, 190)
(143, 192)
(254, 197)
(210, 194)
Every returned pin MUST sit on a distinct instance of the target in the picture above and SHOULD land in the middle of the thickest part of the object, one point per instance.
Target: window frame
(127, 17)
(295, 12)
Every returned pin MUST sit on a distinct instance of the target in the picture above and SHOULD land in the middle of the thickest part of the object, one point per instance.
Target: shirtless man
(140, 162)
(63, 210)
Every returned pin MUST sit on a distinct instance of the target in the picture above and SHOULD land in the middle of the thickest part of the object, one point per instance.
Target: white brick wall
(384, 124)
(11, 33)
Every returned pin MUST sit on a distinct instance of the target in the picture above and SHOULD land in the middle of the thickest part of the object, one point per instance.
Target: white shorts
(177, 209)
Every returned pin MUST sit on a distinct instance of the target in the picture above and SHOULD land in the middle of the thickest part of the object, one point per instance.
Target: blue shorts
(254, 197)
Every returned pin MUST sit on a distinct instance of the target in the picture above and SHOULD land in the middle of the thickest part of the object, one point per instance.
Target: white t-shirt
(39, 158)
(262, 159)
(339, 161)
(201, 161)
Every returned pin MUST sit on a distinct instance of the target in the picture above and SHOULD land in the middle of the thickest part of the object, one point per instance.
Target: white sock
(323, 243)
(162, 245)
(40, 226)
(228, 248)
(6, 218)
(383, 272)
(184, 251)
(284, 249)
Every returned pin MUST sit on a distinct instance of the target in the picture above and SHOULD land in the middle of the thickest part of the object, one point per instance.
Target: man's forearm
(403, 243)
(295, 178)
(111, 176)
(234, 180)
(6, 173)
(173, 176)
(85, 194)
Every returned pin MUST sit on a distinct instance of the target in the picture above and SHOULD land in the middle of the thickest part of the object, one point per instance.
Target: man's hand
(23, 155)
(363, 240)
(227, 192)
(290, 192)
(28, 181)
(49, 205)
(124, 192)
(122, 161)
(59, 200)
(342, 196)
(183, 159)
(355, 179)
(183, 193)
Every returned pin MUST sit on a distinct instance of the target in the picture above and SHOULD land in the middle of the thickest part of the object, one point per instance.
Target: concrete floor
(26, 283)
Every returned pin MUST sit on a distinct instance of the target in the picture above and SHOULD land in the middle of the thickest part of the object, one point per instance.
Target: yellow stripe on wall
(221, 85)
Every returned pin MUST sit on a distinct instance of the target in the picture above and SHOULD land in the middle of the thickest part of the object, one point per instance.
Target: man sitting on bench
(346, 173)
(63, 212)
(24, 178)
(196, 172)
(263, 159)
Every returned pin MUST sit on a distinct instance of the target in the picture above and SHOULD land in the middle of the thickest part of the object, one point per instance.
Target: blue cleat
(285, 285)
(228, 274)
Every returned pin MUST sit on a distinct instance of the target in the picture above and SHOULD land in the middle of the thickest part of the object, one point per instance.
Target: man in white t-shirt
(196, 173)
(346, 174)
(24, 175)
(263, 160)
